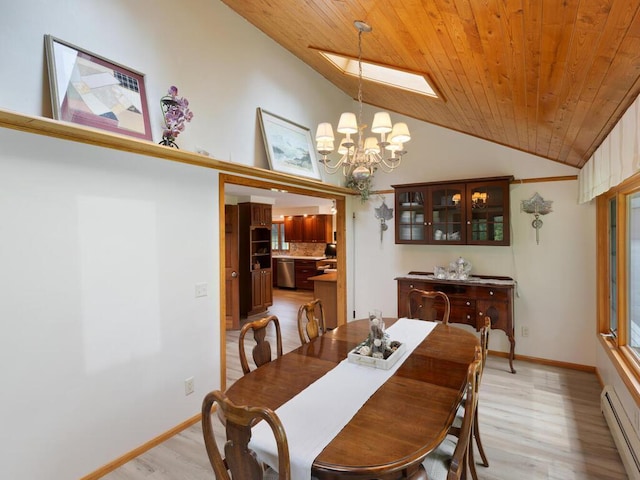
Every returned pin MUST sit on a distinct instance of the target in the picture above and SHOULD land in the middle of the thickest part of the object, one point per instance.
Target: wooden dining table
(392, 432)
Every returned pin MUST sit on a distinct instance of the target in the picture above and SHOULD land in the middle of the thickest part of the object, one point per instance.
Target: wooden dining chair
(262, 350)
(450, 460)
(239, 461)
(421, 304)
(475, 433)
(310, 325)
(484, 345)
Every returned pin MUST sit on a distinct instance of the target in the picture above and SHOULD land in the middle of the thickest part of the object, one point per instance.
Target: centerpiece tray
(381, 363)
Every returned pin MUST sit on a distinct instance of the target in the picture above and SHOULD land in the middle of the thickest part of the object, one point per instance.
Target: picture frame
(289, 146)
(91, 90)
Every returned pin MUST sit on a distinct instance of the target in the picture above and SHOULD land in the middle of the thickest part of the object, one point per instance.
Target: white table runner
(316, 415)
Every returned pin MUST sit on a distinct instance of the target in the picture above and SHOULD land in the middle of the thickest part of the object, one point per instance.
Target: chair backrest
(484, 339)
(460, 458)
(239, 461)
(310, 325)
(421, 302)
(262, 349)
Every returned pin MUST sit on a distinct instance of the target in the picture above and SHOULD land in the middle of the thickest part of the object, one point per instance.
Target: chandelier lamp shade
(360, 157)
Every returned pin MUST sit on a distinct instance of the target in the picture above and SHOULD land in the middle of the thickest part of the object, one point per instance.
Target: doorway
(269, 189)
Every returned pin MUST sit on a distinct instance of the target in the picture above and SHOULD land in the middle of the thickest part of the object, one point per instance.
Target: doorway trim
(341, 243)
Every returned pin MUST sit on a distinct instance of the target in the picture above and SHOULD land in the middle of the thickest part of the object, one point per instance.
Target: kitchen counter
(325, 277)
(325, 288)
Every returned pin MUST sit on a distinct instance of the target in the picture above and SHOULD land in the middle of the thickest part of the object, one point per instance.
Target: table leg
(512, 340)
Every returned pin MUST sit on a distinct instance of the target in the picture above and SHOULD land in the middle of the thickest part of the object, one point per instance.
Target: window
(613, 289)
(633, 264)
(393, 77)
(618, 277)
(278, 243)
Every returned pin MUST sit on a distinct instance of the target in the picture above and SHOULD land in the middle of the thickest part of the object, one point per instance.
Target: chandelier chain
(359, 78)
(362, 157)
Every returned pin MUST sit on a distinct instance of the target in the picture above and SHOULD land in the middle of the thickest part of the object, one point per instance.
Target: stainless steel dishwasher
(286, 273)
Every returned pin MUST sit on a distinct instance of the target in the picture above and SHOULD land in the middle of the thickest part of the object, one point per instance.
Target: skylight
(392, 77)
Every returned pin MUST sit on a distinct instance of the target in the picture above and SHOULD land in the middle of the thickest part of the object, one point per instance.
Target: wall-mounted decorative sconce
(537, 206)
(383, 213)
(334, 210)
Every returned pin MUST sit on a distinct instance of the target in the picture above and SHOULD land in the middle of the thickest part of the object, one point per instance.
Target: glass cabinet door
(488, 213)
(460, 212)
(410, 220)
(446, 212)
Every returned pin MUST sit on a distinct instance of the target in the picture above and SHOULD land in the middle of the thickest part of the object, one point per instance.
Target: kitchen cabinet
(261, 290)
(294, 229)
(308, 229)
(254, 259)
(318, 228)
(274, 271)
(471, 301)
(260, 214)
(304, 270)
(461, 212)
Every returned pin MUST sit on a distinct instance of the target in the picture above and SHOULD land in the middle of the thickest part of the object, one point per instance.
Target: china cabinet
(461, 212)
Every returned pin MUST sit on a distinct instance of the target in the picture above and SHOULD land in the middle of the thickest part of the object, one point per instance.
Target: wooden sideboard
(471, 301)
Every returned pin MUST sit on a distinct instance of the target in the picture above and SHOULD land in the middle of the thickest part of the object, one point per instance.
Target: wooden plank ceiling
(548, 77)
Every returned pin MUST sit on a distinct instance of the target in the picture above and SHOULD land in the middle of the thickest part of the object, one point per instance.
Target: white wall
(101, 249)
(100, 253)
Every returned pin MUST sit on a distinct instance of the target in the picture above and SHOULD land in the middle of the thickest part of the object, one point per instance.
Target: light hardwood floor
(285, 307)
(541, 423)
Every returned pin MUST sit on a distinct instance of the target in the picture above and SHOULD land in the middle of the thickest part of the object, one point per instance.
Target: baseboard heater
(622, 430)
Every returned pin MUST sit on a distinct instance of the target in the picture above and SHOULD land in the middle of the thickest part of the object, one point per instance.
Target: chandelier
(361, 157)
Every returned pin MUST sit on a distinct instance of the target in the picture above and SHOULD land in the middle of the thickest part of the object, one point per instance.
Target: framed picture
(90, 90)
(289, 146)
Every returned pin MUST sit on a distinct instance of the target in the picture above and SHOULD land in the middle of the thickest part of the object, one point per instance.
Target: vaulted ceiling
(548, 77)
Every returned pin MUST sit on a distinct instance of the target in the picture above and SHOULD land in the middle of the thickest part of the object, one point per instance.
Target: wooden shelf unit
(254, 262)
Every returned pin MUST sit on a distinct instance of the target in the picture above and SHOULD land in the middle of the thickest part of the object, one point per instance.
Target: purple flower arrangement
(176, 113)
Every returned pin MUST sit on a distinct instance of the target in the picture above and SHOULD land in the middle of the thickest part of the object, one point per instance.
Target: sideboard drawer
(492, 293)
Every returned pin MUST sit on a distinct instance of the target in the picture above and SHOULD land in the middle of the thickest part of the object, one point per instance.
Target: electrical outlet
(525, 331)
(189, 386)
(201, 290)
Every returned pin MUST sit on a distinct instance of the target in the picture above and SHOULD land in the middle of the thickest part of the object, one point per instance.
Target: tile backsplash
(307, 249)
